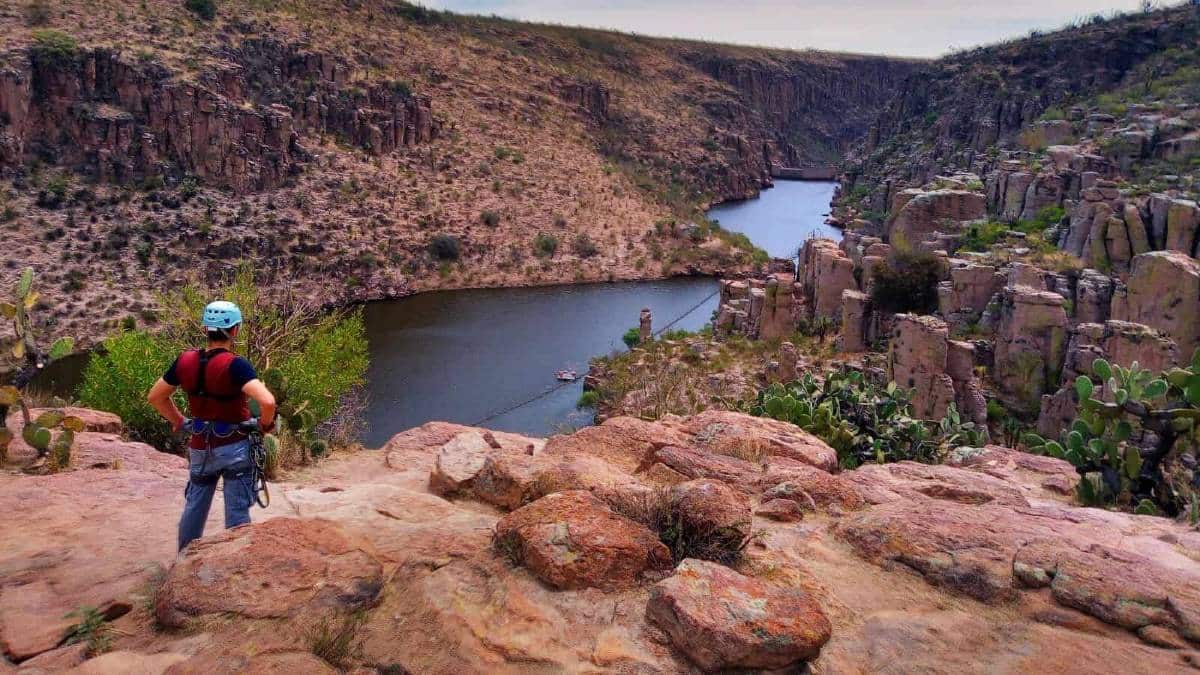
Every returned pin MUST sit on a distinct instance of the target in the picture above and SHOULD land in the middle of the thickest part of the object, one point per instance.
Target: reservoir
(473, 356)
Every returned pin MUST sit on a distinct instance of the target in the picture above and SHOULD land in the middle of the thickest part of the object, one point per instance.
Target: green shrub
(54, 47)
(545, 245)
(584, 247)
(322, 355)
(588, 399)
(490, 218)
(908, 283)
(205, 9)
(445, 247)
(863, 422)
(632, 337)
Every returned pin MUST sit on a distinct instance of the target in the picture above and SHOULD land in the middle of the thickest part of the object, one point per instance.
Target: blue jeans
(230, 462)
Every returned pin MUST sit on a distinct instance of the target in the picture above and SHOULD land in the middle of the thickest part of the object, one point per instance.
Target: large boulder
(711, 516)
(924, 213)
(1164, 293)
(721, 430)
(721, 619)
(572, 540)
(270, 570)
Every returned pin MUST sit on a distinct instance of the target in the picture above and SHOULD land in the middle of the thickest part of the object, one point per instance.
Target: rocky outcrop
(1031, 341)
(963, 297)
(937, 370)
(721, 619)
(310, 564)
(825, 272)
(118, 119)
(1163, 292)
(572, 540)
(917, 214)
(794, 94)
(362, 532)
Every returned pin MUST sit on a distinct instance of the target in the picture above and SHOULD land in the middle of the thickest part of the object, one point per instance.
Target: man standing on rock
(217, 383)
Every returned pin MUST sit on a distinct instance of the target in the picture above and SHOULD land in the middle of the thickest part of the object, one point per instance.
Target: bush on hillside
(323, 356)
(205, 9)
(445, 247)
(545, 245)
(54, 47)
(907, 283)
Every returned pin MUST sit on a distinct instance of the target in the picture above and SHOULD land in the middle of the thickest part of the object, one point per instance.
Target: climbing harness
(258, 463)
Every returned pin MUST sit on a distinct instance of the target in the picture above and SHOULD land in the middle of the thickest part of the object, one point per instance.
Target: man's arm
(160, 398)
(258, 391)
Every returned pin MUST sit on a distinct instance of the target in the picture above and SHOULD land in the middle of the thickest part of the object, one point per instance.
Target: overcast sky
(900, 27)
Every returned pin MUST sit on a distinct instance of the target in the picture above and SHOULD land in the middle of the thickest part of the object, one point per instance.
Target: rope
(561, 385)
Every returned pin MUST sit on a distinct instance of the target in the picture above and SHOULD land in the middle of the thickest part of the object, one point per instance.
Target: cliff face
(103, 114)
(814, 106)
(338, 140)
(952, 113)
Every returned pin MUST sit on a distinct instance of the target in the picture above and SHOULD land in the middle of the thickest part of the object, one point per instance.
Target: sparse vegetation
(1104, 442)
(907, 283)
(92, 629)
(54, 47)
(337, 639)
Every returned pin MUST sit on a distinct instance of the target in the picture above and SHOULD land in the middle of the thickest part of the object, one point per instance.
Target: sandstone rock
(968, 290)
(310, 564)
(1164, 293)
(719, 429)
(721, 619)
(917, 361)
(825, 271)
(1030, 344)
(116, 662)
(56, 660)
(31, 619)
(506, 480)
(783, 510)
(1054, 477)
(695, 463)
(247, 661)
(810, 487)
(1183, 218)
(458, 462)
(924, 213)
(712, 510)
(572, 540)
(855, 308)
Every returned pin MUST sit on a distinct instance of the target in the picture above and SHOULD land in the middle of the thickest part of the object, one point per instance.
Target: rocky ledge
(456, 549)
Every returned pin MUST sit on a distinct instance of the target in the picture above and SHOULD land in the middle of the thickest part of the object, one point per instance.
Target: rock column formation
(645, 332)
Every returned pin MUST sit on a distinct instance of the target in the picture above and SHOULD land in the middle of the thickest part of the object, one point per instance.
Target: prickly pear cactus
(1113, 409)
(26, 358)
(297, 420)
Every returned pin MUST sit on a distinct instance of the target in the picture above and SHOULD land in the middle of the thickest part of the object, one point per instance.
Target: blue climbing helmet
(221, 314)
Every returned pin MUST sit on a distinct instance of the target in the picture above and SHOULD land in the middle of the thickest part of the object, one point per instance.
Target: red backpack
(212, 396)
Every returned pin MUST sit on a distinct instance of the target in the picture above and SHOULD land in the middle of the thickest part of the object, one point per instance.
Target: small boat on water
(566, 375)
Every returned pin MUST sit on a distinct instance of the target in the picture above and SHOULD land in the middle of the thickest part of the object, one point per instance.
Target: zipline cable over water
(543, 394)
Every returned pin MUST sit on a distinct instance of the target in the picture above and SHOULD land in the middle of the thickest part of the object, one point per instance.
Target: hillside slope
(325, 140)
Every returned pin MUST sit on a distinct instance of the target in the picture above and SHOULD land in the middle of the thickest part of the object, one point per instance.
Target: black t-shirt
(240, 371)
